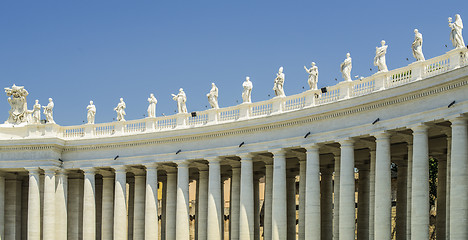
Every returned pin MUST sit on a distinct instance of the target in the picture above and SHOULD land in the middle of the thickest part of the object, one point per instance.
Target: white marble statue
(36, 113)
(379, 59)
(417, 46)
(120, 109)
(91, 112)
(279, 83)
(247, 92)
(213, 96)
(346, 67)
(49, 111)
(456, 33)
(19, 106)
(181, 100)
(313, 76)
(152, 106)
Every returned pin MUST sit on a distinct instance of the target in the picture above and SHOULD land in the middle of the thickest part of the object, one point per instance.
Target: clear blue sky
(76, 51)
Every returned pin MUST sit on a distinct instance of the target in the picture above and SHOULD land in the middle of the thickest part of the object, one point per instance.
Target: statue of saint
(313, 76)
(152, 106)
(213, 96)
(120, 109)
(36, 113)
(279, 82)
(456, 33)
(247, 92)
(91, 112)
(417, 46)
(379, 59)
(346, 67)
(180, 98)
(49, 111)
(19, 106)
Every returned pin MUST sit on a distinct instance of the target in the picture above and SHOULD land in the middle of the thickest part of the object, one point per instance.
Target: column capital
(213, 159)
(311, 146)
(347, 142)
(459, 120)
(419, 128)
(182, 164)
(278, 152)
(151, 166)
(245, 156)
(382, 135)
(120, 169)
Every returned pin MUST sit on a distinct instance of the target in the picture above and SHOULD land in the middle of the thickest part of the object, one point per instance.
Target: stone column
(182, 207)
(215, 215)
(256, 182)
(401, 217)
(447, 200)
(441, 198)
(459, 178)
(336, 198)
(372, 192)
(202, 217)
(120, 204)
(89, 204)
(268, 200)
(234, 204)
(2, 206)
(420, 186)
(312, 192)
(279, 221)
(246, 217)
(107, 206)
(48, 228)
(363, 203)
(302, 198)
(13, 208)
(171, 206)
(291, 205)
(151, 226)
(326, 205)
(347, 202)
(61, 215)
(139, 205)
(75, 207)
(383, 193)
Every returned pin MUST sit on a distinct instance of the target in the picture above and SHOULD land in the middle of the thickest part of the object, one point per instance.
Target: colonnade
(343, 190)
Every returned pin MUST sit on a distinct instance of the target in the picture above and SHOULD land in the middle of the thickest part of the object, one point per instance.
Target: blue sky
(76, 51)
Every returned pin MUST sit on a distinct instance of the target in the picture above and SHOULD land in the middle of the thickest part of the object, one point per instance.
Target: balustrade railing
(397, 77)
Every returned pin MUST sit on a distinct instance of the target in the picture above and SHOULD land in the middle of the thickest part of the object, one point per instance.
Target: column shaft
(49, 205)
(312, 195)
(372, 194)
(246, 217)
(420, 186)
(363, 204)
(107, 208)
(409, 191)
(302, 198)
(256, 198)
(171, 206)
(291, 206)
(268, 201)
(151, 225)
(447, 200)
(234, 203)
(202, 205)
(89, 205)
(336, 198)
(459, 178)
(326, 205)
(383, 197)
(139, 207)
(182, 209)
(214, 200)
(120, 204)
(401, 201)
(347, 196)
(441, 198)
(61, 215)
(279, 220)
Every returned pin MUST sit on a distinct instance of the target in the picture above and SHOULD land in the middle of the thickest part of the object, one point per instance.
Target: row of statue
(19, 112)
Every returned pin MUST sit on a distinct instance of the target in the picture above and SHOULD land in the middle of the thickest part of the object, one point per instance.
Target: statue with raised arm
(181, 99)
(49, 111)
(456, 33)
(279, 82)
(313, 76)
(345, 67)
(91, 112)
(120, 109)
(247, 92)
(213, 96)
(417, 46)
(36, 113)
(152, 106)
(19, 106)
(379, 59)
